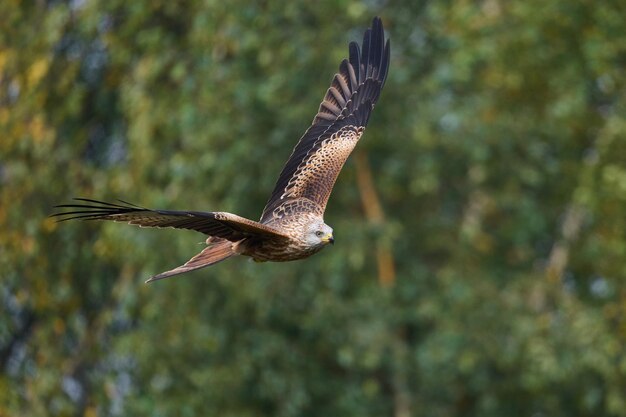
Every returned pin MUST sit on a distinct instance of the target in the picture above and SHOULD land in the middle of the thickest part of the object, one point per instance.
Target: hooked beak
(328, 239)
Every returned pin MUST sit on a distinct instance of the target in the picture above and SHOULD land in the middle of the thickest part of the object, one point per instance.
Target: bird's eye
(319, 233)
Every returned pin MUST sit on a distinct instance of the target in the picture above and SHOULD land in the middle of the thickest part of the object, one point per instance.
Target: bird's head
(318, 234)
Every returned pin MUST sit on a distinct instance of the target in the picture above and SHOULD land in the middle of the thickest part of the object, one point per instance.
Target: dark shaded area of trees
(480, 261)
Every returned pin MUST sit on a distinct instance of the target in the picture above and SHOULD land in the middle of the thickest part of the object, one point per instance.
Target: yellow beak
(328, 239)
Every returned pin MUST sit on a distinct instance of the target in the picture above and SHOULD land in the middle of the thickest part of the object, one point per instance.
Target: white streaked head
(318, 234)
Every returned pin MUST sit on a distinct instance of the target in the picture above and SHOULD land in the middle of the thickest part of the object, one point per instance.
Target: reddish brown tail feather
(211, 255)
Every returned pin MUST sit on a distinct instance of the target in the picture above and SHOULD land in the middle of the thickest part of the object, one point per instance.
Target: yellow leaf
(37, 70)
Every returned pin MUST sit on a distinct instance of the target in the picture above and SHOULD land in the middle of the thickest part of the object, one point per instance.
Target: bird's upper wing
(220, 224)
(313, 167)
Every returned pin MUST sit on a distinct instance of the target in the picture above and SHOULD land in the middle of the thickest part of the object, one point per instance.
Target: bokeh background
(480, 262)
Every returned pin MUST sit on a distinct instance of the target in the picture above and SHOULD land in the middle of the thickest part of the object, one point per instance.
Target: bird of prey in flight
(292, 224)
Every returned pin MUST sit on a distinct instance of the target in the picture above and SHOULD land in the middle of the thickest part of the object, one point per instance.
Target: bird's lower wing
(219, 224)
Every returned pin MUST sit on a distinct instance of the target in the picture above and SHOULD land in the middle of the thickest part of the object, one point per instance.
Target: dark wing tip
(384, 68)
(92, 209)
(378, 59)
(368, 61)
(373, 60)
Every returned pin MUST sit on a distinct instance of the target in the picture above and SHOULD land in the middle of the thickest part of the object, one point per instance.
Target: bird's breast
(283, 251)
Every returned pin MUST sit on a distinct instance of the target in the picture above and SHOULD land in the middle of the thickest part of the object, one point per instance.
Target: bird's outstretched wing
(313, 167)
(219, 224)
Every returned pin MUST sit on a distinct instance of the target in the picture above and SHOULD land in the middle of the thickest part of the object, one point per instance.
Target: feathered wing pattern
(313, 167)
(218, 224)
(217, 251)
(224, 229)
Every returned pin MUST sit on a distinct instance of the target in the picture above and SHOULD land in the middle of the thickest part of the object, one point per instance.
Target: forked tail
(216, 252)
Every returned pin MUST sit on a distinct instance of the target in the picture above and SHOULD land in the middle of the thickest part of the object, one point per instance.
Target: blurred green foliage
(497, 151)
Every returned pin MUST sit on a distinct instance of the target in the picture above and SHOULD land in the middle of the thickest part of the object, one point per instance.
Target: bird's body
(292, 225)
(297, 246)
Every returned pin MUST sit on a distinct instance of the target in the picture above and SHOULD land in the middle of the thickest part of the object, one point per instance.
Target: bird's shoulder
(285, 210)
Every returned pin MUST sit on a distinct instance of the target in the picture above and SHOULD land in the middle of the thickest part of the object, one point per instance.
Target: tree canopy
(480, 257)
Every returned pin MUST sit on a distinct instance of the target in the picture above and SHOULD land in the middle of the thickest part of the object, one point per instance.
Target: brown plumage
(292, 225)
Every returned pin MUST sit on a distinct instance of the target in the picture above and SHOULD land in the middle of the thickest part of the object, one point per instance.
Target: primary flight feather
(292, 224)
